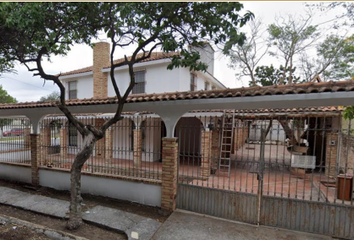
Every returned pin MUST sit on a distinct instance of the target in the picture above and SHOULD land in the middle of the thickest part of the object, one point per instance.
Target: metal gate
(291, 170)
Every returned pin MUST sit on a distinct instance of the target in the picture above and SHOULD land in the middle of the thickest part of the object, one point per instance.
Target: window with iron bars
(193, 82)
(72, 132)
(206, 86)
(139, 82)
(73, 90)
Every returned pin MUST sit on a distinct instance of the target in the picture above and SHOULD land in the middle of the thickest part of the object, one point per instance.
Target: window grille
(206, 86)
(73, 90)
(139, 82)
(193, 82)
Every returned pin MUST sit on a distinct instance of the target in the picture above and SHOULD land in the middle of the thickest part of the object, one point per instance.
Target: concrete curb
(51, 233)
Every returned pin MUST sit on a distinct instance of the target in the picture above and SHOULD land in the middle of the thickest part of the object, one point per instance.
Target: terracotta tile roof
(324, 109)
(304, 88)
(154, 56)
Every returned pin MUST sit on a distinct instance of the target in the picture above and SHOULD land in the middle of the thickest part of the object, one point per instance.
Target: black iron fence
(307, 155)
(130, 148)
(15, 140)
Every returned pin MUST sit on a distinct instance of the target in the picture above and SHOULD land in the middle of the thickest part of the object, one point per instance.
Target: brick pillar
(331, 154)
(63, 133)
(35, 158)
(215, 149)
(101, 53)
(206, 154)
(137, 134)
(169, 173)
(108, 144)
(45, 138)
(27, 137)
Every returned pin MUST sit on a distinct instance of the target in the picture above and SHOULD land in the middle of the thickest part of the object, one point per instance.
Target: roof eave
(84, 74)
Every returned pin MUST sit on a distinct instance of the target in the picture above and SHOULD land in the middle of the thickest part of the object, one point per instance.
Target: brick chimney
(101, 53)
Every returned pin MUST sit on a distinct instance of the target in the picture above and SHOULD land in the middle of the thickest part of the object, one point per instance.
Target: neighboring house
(152, 75)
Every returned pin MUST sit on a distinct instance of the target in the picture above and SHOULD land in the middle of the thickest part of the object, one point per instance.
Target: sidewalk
(134, 226)
(182, 225)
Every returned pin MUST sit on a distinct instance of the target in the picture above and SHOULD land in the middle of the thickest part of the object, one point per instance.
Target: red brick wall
(331, 154)
(206, 153)
(169, 173)
(101, 53)
(35, 158)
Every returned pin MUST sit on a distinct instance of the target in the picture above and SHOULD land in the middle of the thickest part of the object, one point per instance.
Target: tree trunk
(288, 132)
(75, 216)
(268, 128)
(291, 72)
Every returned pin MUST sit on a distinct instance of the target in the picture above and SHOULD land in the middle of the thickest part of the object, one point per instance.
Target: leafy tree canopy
(5, 97)
(54, 96)
(268, 75)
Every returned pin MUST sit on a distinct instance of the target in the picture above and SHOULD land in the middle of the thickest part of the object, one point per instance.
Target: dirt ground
(86, 230)
(14, 232)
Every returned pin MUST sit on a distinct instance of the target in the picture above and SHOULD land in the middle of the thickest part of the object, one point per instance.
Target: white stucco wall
(157, 77)
(144, 193)
(84, 87)
(15, 173)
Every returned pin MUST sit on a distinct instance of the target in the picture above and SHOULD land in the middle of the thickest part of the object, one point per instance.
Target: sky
(24, 87)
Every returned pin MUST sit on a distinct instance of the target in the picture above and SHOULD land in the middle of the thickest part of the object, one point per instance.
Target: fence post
(206, 154)
(137, 148)
(169, 173)
(63, 133)
(109, 145)
(260, 176)
(35, 158)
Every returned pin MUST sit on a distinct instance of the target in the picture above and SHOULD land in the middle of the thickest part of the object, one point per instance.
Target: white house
(152, 75)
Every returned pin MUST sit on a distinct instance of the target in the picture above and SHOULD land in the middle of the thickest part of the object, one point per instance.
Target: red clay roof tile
(154, 56)
(304, 88)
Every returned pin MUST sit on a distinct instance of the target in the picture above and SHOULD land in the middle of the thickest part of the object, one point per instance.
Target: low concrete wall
(148, 194)
(15, 173)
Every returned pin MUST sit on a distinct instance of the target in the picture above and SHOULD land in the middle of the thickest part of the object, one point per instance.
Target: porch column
(63, 133)
(206, 154)
(331, 154)
(137, 148)
(27, 137)
(45, 134)
(215, 149)
(35, 158)
(45, 142)
(169, 173)
(108, 145)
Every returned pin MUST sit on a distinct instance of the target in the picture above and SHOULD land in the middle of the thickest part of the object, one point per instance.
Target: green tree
(334, 59)
(40, 30)
(52, 97)
(268, 75)
(5, 98)
(291, 36)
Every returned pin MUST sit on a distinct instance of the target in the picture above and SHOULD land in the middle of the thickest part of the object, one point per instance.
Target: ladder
(227, 134)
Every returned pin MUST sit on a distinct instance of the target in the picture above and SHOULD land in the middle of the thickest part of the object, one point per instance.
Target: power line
(29, 84)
